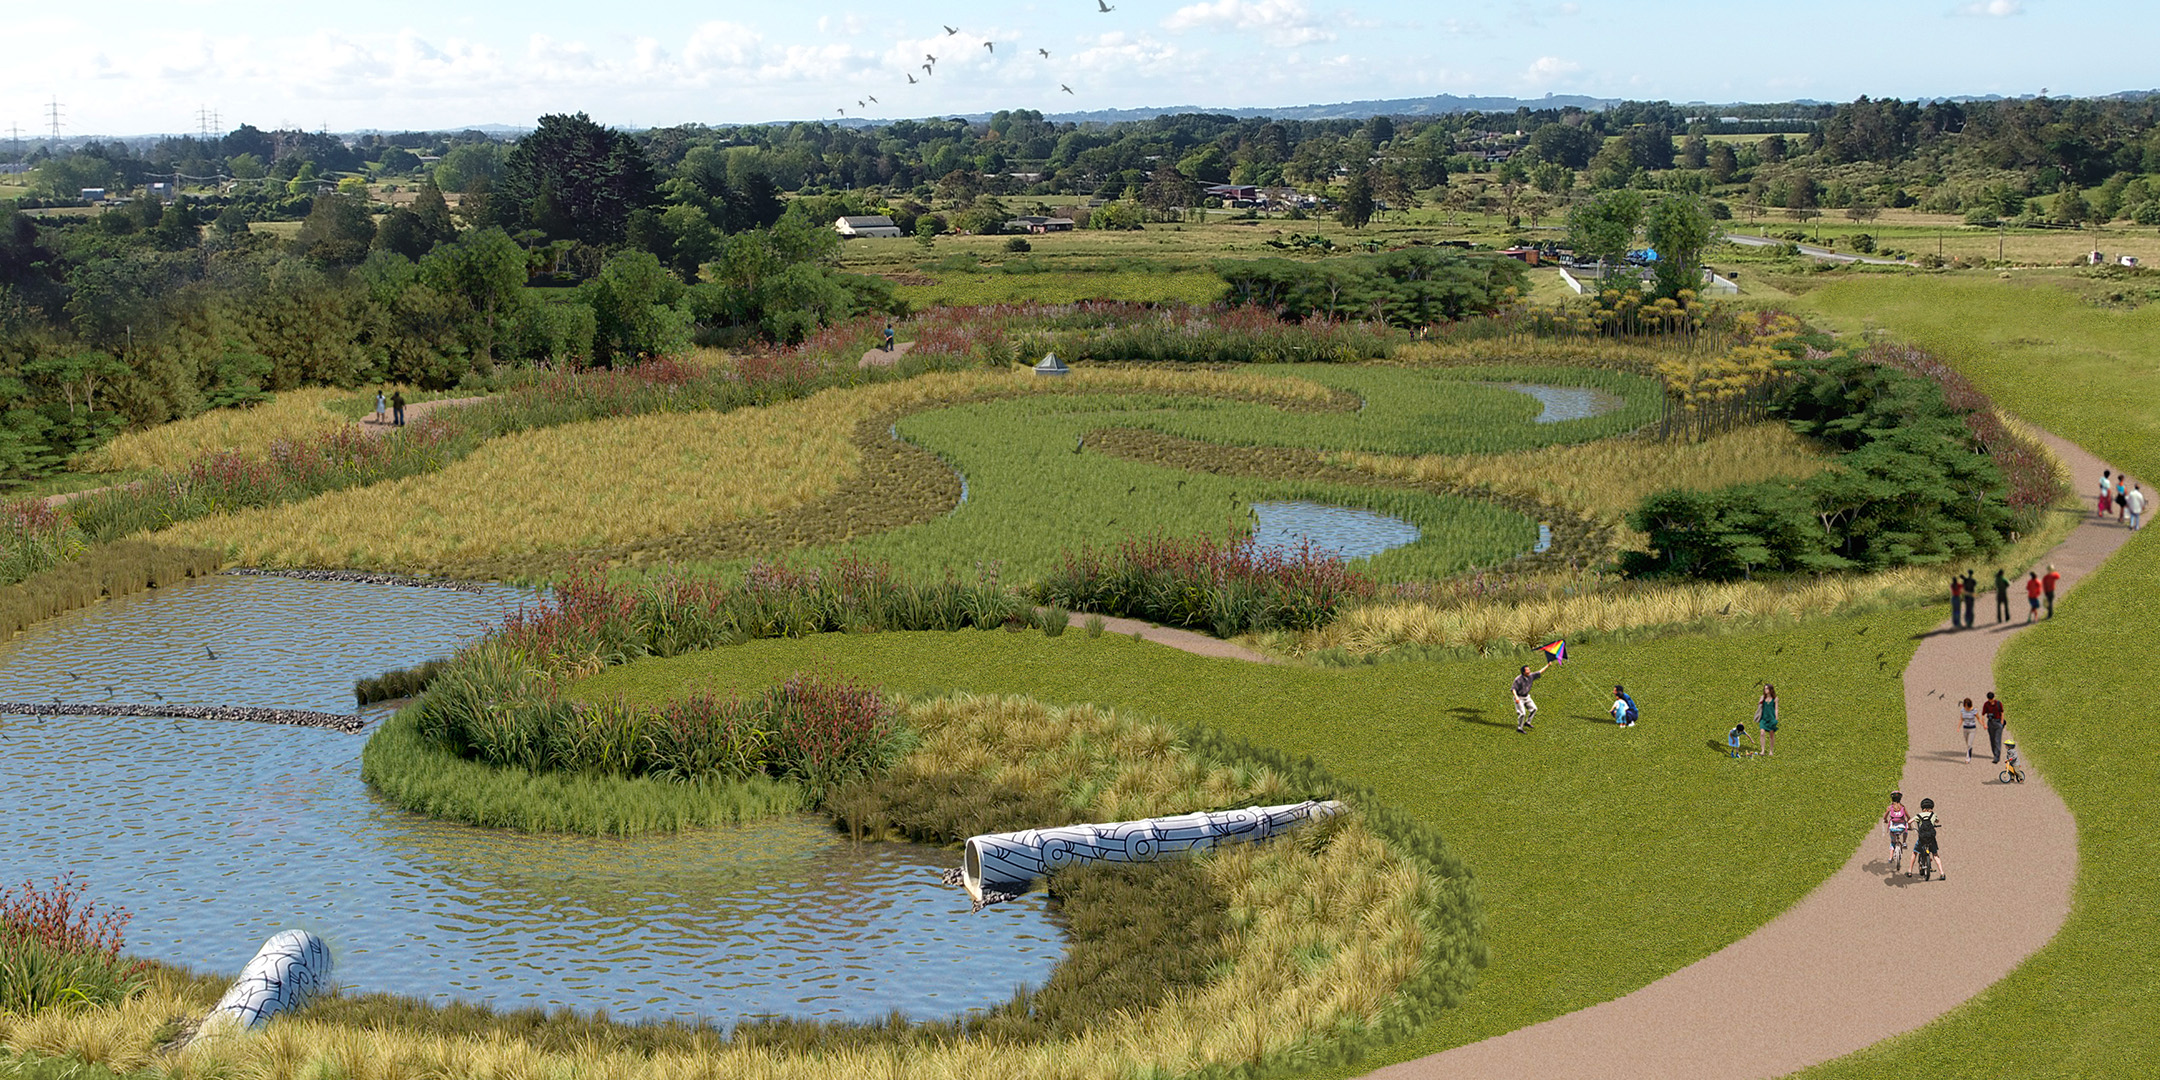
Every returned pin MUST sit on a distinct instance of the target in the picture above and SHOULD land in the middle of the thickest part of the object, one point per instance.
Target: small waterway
(1569, 402)
(1337, 530)
(216, 835)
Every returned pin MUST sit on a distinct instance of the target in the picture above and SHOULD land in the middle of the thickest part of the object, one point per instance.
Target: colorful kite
(1555, 651)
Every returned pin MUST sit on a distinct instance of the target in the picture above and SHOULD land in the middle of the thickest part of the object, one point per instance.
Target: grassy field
(294, 414)
(2082, 1006)
(1591, 843)
(966, 289)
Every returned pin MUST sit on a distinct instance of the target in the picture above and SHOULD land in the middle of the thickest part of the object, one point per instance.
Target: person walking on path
(1957, 601)
(2002, 596)
(1970, 722)
(1623, 707)
(1525, 705)
(1927, 845)
(1972, 597)
(2032, 597)
(379, 404)
(1993, 711)
(397, 409)
(2107, 491)
(888, 337)
(2122, 499)
(1766, 719)
(2137, 504)
(2047, 588)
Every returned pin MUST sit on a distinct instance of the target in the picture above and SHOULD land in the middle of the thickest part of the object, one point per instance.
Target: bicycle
(1897, 848)
(2012, 775)
(1927, 864)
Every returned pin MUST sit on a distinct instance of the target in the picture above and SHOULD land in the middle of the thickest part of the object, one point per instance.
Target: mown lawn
(2084, 1005)
(1604, 855)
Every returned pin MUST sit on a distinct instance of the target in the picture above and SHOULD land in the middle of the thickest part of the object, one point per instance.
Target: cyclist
(1925, 845)
(1896, 819)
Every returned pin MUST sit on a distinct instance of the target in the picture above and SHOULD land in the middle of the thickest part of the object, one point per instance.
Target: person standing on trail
(1993, 711)
(2137, 504)
(379, 404)
(1972, 597)
(397, 409)
(1766, 721)
(2002, 596)
(2047, 588)
(888, 337)
(2107, 491)
(2122, 499)
(2032, 597)
(1957, 600)
(1525, 706)
(1969, 720)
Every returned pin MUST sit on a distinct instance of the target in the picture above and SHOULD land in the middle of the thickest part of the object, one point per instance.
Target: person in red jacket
(1992, 709)
(2047, 588)
(2032, 596)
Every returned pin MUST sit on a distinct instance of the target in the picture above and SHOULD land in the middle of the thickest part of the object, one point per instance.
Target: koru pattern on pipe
(1011, 863)
(290, 969)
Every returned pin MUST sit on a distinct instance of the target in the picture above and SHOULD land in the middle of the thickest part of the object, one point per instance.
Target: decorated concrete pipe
(1013, 862)
(291, 968)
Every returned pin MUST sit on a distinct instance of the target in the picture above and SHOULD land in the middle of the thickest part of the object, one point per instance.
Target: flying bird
(1045, 53)
(873, 99)
(990, 45)
(1065, 88)
(949, 31)
(207, 651)
(1105, 8)
(929, 57)
(842, 112)
(911, 80)
(926, 69)
(861, 104)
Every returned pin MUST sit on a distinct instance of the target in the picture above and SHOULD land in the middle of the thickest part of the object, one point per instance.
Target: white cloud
(1279, 22)
(1992, 9)
(1547, 70)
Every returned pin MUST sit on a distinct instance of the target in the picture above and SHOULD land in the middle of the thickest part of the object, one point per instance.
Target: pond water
(1569, 402)
(216, 835)
(1338, 530)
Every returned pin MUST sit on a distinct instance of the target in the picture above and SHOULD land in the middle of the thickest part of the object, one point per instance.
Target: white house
(878, 225)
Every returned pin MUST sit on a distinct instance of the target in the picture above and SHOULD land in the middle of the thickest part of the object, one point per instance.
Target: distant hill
(1354, 110)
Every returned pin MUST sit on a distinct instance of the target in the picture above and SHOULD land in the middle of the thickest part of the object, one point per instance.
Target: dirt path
(1181, 640)
(880, 358)
(1865, 956)
(367, 423)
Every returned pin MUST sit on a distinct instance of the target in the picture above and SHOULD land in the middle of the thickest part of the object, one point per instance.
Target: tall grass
(1000, 334)
(58, 950)
(293, 416)
(35, 537)
(1226, 588)
(108, 570)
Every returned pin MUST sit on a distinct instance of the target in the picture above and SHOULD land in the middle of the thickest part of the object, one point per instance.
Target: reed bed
(1608, 479)
(613, 482)
(34, 537)
(1227, 588)
(108, 570)
(58, 949)
(291, 416)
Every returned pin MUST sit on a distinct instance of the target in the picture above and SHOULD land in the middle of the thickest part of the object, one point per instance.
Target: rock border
(340, 722)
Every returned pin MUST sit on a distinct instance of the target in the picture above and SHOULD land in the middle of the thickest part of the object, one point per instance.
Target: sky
(127, 67)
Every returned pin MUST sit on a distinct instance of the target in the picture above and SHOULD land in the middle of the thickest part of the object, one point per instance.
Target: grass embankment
(119, 569)
(292, 415)
(1281, 953)
(616, 482)
(2081, 1006)
(1595, 856)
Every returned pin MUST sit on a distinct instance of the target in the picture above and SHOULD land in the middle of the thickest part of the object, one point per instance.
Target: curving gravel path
(1865, 956)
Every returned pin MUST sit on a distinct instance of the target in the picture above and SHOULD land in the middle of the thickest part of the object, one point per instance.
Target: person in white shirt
(2135, 501)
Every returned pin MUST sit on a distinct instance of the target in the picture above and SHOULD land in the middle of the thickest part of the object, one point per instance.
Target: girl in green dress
(1766, 720)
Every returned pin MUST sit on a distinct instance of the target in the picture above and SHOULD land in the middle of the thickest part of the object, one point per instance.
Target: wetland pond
(218, 834)
(1569, 402)
(1283, 527)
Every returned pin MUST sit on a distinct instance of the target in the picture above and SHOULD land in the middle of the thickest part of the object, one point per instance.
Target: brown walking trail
(1865, 956)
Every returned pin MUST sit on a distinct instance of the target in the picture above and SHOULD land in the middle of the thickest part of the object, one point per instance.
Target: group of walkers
(1965, 596)
(1991, 713)
(395, 403)
(2126, 499)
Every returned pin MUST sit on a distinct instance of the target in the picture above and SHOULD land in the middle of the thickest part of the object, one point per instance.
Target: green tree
(468, 162)
(634, 302)
(397, 161)
(1614, 165)
(1356, 207)
(482, 275)
(337, 232)
(1724, 163)
(1680, 228)
(246, 167)
(2071, 207)
(1604, 227)
(574, 179)
(1571, 145)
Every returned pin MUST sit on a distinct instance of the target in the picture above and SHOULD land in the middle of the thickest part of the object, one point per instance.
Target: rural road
(1865, 956)
(1812, 250)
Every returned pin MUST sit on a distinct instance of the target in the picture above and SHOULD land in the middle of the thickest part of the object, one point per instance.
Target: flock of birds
(930, 60)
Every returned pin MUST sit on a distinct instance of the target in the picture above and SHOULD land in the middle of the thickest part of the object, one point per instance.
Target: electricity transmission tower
(52, 115)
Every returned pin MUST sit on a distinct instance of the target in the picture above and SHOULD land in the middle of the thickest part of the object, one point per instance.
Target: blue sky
(145, 68)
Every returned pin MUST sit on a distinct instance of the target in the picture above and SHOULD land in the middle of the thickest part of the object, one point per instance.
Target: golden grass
(1584, 607)
(1607, 479)
(614, 482)
(1326, 927)
(294, 414)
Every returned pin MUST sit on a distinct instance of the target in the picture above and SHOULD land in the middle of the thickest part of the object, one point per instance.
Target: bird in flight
(1105, 8)
(842, 112)
(929, 57)
(950, 31)
(861, 104)
(873, 99)
(926, 69)
(911, 80)
(1065, 88)
(990, 45)
(1045, 53)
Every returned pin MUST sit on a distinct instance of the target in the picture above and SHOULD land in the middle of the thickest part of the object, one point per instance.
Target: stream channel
(218, 834)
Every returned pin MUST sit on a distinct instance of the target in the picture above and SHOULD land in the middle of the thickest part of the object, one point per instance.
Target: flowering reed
(1228, 587)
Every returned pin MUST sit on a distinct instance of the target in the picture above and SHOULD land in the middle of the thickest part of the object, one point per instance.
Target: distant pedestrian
(1972, 597)
(2002, 596)
(1957, 601)
(2107, 491)
(1969, 721)
(2032, 597)
(1992, 711)
(2047, 588)
(1525, 705)
(2137, 504)
(397, 409)
(1623, 707)
(380, 403)
(1766, 721)
(2122, 499)
(888, 337)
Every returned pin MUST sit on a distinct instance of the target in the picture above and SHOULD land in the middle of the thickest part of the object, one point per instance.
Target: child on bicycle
(2010, 760)
(1896, 820)
(1926, 846)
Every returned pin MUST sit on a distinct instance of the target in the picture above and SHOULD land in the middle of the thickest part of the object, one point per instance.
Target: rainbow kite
(1555, 651)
